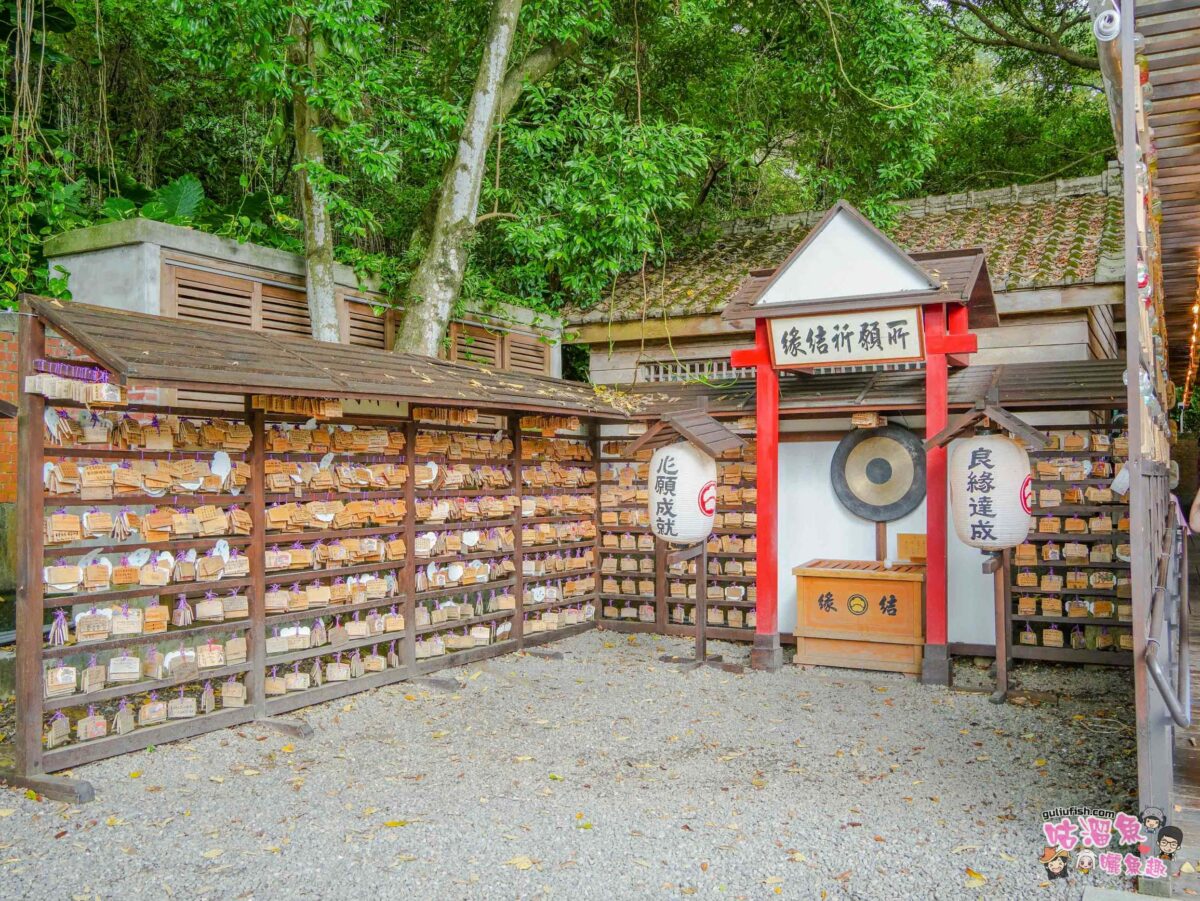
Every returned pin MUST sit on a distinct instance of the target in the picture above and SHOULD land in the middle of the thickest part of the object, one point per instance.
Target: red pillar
(766, 653)
(936, 667)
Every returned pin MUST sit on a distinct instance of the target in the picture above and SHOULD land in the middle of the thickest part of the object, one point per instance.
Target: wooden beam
(643, 439)
(1000, 416)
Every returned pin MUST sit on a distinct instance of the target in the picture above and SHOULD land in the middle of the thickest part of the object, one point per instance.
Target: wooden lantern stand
(699, 553)
(996, 563)
(714, 439)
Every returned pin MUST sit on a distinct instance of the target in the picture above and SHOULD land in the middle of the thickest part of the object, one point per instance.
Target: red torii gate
(954, 280)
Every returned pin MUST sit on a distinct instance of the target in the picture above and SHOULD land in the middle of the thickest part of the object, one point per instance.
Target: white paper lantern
(990, 492)
(683, 493)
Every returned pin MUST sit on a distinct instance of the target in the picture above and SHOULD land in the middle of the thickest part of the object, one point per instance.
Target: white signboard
(847, 339)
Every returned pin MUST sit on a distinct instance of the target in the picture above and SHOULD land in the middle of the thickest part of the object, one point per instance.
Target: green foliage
(588, 187)
(37, 200)
(667, 115)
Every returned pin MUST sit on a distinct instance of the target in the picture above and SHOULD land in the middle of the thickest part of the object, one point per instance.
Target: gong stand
(998, 564)
(699, 553)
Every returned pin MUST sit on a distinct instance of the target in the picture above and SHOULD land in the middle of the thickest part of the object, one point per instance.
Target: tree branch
(495, 214)
(1008, 38)
(532, 69)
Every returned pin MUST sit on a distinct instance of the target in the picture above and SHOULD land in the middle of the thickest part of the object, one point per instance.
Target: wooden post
(936, 666)
(408, 659)
(257, 634)
(702, 603)
(767, 654)
(28, 769)
(881, 541)
(660, 584)
(998, 565)
(256, 651)
(518, 629)
(31, 334)
(597, 467)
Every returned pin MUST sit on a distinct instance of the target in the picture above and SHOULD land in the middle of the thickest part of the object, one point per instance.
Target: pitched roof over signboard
(1066, 232)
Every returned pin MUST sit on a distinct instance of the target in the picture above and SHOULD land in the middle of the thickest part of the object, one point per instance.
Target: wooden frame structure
(714, 439)
(949, 306)
(149, 351)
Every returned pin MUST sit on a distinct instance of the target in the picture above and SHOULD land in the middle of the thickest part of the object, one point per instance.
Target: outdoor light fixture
(1107, 25)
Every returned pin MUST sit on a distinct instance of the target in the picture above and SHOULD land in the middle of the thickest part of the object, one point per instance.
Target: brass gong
(879, 474)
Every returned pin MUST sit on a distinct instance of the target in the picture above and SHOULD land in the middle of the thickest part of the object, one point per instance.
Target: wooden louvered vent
(525, 353)
(285, 311)
(472, 344)
(365, 329)
(213, 298)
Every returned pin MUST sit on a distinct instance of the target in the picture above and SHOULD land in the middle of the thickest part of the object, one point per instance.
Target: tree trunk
(438, 279)
(321, 285)
(536, 66)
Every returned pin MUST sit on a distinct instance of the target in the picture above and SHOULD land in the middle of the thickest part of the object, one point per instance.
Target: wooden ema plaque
(860, 615)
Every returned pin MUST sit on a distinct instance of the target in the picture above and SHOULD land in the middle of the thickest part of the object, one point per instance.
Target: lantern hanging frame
(995, 563)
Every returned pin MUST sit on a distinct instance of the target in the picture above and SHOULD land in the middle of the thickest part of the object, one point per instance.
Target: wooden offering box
(861, 615)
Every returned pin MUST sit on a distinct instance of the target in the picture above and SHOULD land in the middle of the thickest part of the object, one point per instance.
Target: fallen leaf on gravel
(758, 782)
(773, 880)
(975, 880)
(441, 733)
(959, 849)
(796, 857)
(405, 858)
(30, 794)
(554, 777)
(212, 853)
(1041, 761)
(288, 749)
(1007, 857)
(249, 772)
(394, 824)
(521, 863)
(7, 811)
(1186, 868)
(115, 821)
(216, 779)
(475, 675)
(135, 775)
(524, 758)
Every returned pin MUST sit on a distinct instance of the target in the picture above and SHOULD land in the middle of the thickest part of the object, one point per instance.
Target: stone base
(935, 665)
(766, 654)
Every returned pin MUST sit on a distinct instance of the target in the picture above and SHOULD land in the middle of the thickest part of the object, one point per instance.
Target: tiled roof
(1066, 232)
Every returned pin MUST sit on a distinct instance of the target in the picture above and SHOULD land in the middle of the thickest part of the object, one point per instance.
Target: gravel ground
(604, 775)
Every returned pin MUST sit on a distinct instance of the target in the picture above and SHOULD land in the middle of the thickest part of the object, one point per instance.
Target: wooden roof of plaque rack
(154, 350)
(695, 426)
